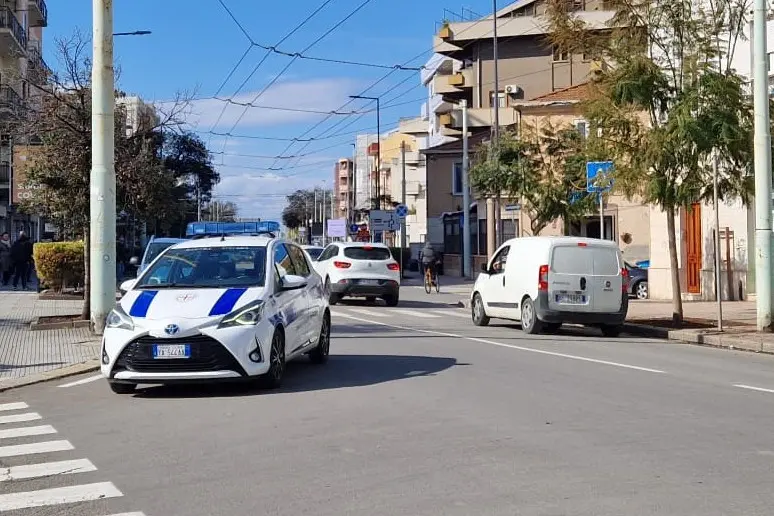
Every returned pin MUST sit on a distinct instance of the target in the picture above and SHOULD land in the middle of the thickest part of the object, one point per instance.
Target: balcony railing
(37, 66)
(42, 14)
(9, 99)
(5, 173)
(8, 21)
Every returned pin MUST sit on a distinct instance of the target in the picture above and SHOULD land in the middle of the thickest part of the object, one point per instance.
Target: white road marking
(363, 311)
(27, 431)
(129, 514)
(81, 382)
(20, 418)
(46, 469)
(58, 495)
(415, 313)
(456, 312)
(13, 406)
(513, 346)
(752, 388)
(31, 448)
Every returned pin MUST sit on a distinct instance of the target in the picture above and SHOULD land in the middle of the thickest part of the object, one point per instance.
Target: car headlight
(117, 318)
(248, 315)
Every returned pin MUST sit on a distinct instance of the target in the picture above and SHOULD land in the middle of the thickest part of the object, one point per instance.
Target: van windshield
(597, 261)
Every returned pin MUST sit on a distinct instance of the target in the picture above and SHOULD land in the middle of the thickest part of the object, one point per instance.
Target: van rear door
(606, 284)
(568, 278)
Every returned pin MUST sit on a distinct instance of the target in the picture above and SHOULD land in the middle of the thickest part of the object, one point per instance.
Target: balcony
(38, 13)
(38, 71)
(13, 38)
(10, 101)
(439, 105)
(441, 85)
(5, 173)
(484, 117)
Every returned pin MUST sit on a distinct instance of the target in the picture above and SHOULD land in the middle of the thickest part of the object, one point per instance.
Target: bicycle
(431, 278)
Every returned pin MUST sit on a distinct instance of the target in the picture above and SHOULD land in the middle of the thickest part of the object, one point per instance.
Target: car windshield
(207, 267)
(314, 252)
(367, 253)
(155, 249)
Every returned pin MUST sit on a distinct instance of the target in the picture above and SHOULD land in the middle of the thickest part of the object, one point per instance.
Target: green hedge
(59, 264)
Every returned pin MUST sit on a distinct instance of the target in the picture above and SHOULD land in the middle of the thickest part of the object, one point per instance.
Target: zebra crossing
(37, 469)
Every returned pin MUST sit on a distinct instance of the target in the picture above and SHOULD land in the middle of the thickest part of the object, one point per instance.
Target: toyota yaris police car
(217, 308)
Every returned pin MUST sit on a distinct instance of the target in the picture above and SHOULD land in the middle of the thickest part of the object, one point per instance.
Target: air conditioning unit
(597, 66)
(513, 89)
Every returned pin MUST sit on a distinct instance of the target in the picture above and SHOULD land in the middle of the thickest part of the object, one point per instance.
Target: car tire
(552, 328)
(273, 378)
(370, 299)
(319, 355)
(332, 298)
(478, 312)
(530, 324)
(612, 331)
(122, 388)
(641, 290)
(391, 300)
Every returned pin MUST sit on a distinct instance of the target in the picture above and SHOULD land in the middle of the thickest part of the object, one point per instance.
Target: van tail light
(624, 281)
(543, 278)
(393, 266)
(342, 265)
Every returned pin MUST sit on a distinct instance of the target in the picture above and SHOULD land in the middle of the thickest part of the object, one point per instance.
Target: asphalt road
(417, 413)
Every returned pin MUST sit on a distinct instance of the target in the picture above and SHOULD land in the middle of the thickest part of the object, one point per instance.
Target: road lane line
(753, 388)
(129, 514)
(46, 469)
(456, 312)
(363, 311)
(13, 406)
(17, 450)
(27, 431)
(513, 346)
(81, 382)
(415, 313)
(20, 418)
(58, 495)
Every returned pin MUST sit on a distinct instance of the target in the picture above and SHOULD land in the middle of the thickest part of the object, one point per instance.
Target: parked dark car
(638, 281)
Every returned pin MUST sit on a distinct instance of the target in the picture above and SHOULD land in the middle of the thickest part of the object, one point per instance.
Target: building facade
(343, 189)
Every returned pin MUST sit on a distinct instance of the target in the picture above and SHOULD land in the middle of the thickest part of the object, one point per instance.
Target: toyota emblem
(172, 329)
(184, 298)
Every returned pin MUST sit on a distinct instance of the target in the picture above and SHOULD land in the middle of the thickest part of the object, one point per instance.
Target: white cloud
(318, 95)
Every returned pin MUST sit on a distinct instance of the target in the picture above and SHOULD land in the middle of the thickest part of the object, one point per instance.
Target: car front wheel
(319, 355)
(641, 290)
(122, 388)
(273, 378)
(478, 312)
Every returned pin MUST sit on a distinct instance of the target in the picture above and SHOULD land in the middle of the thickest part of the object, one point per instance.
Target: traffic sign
(512, 207)
(353, 228)
(401, 211)
(598, 176)
(383, 220)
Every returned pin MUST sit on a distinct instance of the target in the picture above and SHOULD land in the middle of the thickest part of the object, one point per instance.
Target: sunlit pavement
(417, 412)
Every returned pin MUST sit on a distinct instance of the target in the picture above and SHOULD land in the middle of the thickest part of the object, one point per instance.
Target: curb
(36, 325)
(64, 372)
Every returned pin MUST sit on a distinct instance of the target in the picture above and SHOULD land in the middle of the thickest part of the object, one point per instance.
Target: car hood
(166, 304)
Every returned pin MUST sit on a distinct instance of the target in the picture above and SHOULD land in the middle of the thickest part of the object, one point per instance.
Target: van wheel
(479, 313)
(530, 324)
(611, 331)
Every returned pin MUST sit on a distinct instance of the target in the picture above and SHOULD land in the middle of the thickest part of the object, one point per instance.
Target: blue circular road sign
(401, 211)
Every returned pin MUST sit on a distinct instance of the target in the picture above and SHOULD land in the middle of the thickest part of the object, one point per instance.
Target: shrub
(59, 264)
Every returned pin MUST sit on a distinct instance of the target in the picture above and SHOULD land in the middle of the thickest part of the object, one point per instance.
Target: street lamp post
(378, 144)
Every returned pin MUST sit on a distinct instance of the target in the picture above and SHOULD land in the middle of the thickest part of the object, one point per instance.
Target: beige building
(22, 69)
(343, 189)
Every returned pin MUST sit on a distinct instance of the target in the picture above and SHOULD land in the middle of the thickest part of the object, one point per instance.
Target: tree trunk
(86, 314)
(677, 299)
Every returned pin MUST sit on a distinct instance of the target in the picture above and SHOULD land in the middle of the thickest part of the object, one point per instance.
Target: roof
(581, 241)
(363, 244)
(227, 241)
(578, 92)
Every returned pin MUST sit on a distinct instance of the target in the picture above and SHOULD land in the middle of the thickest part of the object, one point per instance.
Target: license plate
(168, 351)
(369, 282)
(571, 299)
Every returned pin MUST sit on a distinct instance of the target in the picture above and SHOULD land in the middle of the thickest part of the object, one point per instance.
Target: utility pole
(493, 222)
(466, 256)
(403, 202)
(762, 142)
(716, 205)
(354, 183)
(102, 198)
(324, 217)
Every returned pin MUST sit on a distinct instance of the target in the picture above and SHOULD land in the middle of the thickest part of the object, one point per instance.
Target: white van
(546, 281)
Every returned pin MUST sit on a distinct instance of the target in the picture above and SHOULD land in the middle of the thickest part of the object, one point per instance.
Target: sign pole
(601, 216)
(403, 202)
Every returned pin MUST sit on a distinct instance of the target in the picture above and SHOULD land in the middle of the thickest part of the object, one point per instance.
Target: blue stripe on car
(142, 303)
(227, 300)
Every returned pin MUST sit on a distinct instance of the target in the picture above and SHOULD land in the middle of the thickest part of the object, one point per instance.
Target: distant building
(138, 114)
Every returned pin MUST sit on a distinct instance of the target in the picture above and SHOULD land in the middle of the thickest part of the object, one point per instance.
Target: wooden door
(693, 249)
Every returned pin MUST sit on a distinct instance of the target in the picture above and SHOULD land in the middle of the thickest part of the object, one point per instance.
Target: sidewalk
(25, 355)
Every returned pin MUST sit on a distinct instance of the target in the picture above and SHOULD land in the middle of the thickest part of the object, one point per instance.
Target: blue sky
(193, 49)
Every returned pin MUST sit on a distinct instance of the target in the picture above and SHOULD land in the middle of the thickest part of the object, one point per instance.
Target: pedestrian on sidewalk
(6, 265)
(21, 255)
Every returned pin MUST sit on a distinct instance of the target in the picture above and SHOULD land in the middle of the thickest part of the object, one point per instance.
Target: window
(582, 127)
(328, 253)
(282, 261)
(560, 55)
(498, 262)
(299, 261)
(457, 179)
(367, 253)
(502, 99)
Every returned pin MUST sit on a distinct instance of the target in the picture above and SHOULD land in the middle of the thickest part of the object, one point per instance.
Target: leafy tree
(58, 120)
(186, 156)
(223, 211)
(668, 102)
(301, 207)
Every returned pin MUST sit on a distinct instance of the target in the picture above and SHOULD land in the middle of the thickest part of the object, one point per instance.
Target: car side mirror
(134, 261)
(127, 285)
(484, 268)
(293, 282)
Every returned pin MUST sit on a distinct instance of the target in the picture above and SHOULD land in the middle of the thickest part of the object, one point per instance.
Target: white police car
(228, 307)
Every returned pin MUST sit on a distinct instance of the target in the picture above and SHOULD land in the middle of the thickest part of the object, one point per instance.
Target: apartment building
(139, 114)
(22, 69)
(343, 188)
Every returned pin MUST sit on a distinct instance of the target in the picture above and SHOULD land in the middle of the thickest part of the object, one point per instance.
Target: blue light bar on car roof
(231, 228)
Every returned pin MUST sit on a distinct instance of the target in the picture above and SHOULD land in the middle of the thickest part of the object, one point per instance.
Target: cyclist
(428, 258)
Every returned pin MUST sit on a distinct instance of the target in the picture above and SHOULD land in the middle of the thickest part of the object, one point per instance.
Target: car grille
(207, 355)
